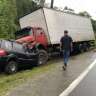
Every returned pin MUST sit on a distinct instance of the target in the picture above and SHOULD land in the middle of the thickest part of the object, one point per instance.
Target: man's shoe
(65, 65)
(64, 68)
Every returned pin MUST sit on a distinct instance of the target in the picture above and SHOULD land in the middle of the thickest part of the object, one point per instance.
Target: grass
(7, 82)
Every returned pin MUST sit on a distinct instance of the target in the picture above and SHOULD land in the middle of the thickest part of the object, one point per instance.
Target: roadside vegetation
(10, 12)
(8, 82)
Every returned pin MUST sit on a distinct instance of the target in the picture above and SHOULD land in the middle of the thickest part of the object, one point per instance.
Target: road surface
(53, 83)
(87, 86)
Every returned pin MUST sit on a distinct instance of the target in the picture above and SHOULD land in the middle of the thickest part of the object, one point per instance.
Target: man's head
(65, 33)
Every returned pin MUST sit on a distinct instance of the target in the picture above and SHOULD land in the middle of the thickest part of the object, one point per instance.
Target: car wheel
(11, 67)
(43, 57)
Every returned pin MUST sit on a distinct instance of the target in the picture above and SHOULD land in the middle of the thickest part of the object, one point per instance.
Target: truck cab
(34, 37)
(30, 34)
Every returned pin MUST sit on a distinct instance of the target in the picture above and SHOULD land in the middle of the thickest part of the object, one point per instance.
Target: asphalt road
(87, 87)
(56, 81)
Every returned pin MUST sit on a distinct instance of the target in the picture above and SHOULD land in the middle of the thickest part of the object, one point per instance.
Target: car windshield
(7, 45)
(24, 32)
(11, 46)
(18, 47)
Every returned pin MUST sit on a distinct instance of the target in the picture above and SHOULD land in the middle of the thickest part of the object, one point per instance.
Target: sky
(77, 5)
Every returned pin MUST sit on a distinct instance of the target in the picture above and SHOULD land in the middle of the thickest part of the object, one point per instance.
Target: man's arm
(61, 44)
(71, 44)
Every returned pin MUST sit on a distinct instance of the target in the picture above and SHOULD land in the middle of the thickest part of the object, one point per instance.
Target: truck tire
(81, 48)
(43, 57)
(11, 67)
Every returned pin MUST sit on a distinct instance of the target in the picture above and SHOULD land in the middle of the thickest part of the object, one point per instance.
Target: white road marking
(74, 84)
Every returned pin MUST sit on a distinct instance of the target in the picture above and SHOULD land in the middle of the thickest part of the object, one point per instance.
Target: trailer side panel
(80, 28)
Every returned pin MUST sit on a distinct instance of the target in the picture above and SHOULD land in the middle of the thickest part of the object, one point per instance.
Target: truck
(45, 27)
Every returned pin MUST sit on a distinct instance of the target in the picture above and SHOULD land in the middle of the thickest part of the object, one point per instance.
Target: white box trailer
(55, 22)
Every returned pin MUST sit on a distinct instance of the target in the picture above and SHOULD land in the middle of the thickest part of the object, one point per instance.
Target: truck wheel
(84, 47)
(43, 57)
(81, 48)
(11, 67)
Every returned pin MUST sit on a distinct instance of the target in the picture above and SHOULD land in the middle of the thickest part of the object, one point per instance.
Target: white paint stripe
(73, 85)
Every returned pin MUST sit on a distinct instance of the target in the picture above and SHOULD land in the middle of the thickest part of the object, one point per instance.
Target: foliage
(25, 7)
(10, 12)
(69, 9)
(84, 13)
(7, 18)
(94, 25)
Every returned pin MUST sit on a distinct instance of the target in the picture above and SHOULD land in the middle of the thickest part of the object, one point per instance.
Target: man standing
(66, 46)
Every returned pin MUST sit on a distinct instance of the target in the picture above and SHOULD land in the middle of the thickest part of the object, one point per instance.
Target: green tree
(8, 14)
(85, 13)
(94, 25)
(69, 10)
(25, 7)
